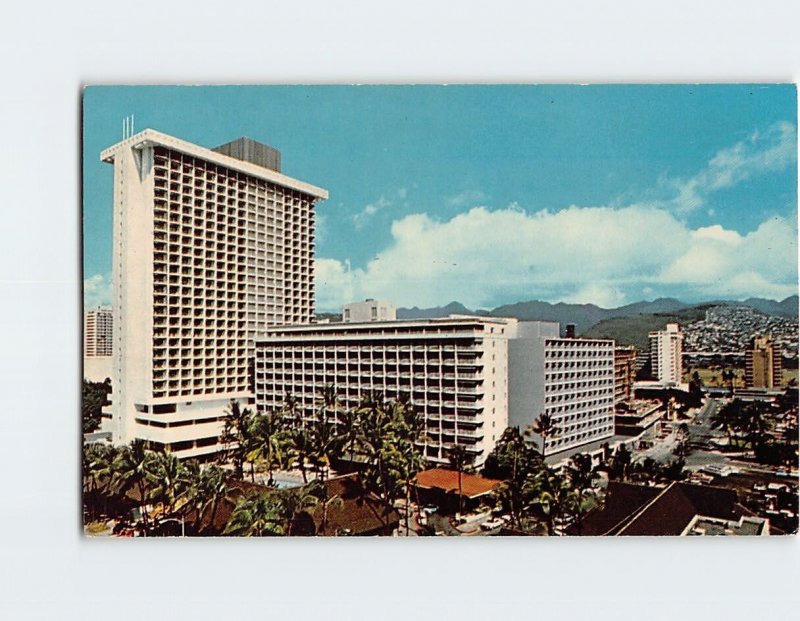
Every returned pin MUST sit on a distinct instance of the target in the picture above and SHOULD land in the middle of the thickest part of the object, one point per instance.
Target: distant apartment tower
(210, 247)
(453, 370)
(624, 373)
(666, 349)
(569, 379)
(368, 310)
(98, 332)
(763, 366)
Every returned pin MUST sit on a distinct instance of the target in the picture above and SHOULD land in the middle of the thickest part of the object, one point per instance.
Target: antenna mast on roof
(127, 127)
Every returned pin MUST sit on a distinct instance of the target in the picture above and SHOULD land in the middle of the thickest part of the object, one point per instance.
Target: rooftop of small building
(641, 510)
(442, 479)
(710, 527)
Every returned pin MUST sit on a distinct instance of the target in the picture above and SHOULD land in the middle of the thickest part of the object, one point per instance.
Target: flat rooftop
(151, 137)
(387, 327)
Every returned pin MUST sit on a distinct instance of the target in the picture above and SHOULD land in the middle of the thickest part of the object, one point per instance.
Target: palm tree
(169, 477)
(325, 442)
(389, 437)
(269, 439)
(292, 502)
(549, 495)
(236, 437)
(299, 448)
(132, 467)
(582, 473)
(729, 375)
(350, 423)
(754, 424)
(459, 459)
(410, 464)
(513, 460)
(545, 427)
(582, 476)
(729, 418)
(645, 470)
(211, 488)
(256, 514)
(97, 469)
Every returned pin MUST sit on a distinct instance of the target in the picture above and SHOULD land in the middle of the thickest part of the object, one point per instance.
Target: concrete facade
(97, 368)
(624, 374)
(570, 379)
(208, 251)
(455, 371)
(763, 364)
(666, 354)
(98, 332)
(368, 310)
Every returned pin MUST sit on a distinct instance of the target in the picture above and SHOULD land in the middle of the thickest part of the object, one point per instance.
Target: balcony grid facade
(208, 251)
(579, 391)
(454, 373)
(98, 332)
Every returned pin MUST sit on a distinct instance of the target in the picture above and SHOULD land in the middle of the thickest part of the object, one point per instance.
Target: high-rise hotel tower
(210, 247)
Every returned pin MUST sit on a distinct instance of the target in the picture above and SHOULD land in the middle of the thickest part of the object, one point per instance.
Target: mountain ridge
(584, 316)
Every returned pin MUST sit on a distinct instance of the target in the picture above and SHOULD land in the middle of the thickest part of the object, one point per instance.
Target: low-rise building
(677, 509)
(440, 487)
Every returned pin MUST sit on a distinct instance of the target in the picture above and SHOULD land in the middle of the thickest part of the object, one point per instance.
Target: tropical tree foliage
(237, 436)
(94, 397)
(745, 423)
(257, 514)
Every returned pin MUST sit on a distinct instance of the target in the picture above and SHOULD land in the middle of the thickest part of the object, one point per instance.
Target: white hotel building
(98, 326)
(453, 370)
(666, 354)
(468, 377)
(210, 247)
(570, 379)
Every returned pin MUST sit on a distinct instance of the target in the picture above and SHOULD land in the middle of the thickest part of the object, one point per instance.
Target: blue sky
(496, 194)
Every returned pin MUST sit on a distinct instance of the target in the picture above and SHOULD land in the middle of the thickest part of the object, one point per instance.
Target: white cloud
(605, 295)
(467, 198)
(96, 291)
(596, 254)
(759, 153)
(724, 263)
(334, 284)
(361, 218)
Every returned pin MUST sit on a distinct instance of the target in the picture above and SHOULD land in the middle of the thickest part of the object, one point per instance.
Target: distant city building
(98, 334)
(210, 247)
(762, 364)
(624, 373)
(453, 370)
(666, 354)
(368, 310)
(571, 380)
